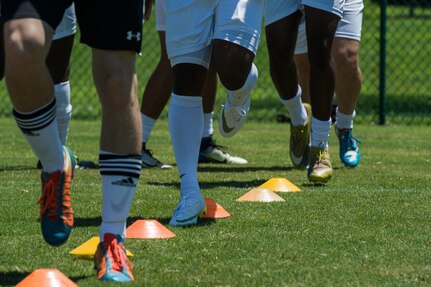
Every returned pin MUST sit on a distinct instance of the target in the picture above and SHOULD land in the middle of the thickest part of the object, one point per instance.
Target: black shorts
(48, 11)
(110, 24)
(104, 24)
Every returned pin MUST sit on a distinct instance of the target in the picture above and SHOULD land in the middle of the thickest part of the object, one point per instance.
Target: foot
(233, 116)
(148, 160)
(349, 150)
(189, 208)
(214, 153)
(320, 167)
(56, 213)
(110, 260)
(300, 141)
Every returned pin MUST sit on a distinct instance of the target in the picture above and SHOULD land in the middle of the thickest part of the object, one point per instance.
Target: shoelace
(236, 113)
(349, 140)
(117, 255)
(48, 200)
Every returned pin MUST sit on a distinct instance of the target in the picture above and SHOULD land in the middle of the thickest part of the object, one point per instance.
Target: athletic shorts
(104, 24)
(193, 24)
(279, 9)
(160, 15)
(67, 25)
(349, 27)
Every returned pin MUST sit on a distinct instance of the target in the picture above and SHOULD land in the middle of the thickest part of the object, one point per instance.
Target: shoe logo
(131, 36)
(125, 182)
(226, 129)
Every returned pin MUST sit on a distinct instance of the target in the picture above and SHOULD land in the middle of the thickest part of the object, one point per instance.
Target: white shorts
(331, 6)
(160, 15)
(279, 9)
(67, 25)
(192, 25)
(349, 27)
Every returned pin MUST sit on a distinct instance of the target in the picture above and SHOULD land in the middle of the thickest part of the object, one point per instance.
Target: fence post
(382, 73)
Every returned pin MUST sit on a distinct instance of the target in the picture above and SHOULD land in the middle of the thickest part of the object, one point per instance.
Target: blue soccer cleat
(349, 150)
(189, 208)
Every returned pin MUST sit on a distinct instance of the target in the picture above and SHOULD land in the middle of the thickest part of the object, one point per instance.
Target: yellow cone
(279, 184)
(88, 249)
(260, 195)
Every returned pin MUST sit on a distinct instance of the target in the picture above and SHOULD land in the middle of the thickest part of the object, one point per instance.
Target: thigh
(239, 22)
(110, 24)
(350, 25)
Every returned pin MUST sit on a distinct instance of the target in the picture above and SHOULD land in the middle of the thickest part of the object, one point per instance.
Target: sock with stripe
(120, 175)
(39, 128)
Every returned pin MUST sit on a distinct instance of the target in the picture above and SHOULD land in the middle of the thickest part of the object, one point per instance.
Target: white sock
(185, 119)
(64, 109)
(147, 127)
(320, 132)
(238, 97)
(41, 132)
(344, 121)
(208, 125)
(120, 176)
(295, 108)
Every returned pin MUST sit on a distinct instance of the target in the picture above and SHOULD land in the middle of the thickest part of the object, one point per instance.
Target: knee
(23, 50)
(346, 59)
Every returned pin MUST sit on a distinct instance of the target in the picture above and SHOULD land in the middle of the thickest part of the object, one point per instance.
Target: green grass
(370, 226)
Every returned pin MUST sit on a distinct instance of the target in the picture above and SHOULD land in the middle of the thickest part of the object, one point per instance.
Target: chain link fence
(402, 96)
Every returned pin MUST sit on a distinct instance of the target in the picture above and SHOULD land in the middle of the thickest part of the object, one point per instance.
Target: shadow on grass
(224, 168)
(165, 221)
(210, 184)
(12, 278)
(16, 167)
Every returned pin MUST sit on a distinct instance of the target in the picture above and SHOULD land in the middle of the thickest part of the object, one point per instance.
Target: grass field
(370, 226)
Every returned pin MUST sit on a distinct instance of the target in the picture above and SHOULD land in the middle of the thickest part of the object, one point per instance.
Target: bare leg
(303, 67)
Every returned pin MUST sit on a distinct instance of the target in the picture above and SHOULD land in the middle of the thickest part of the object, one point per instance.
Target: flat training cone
(88, 249)
(279, 184)
(261, 195)
(214, 210)
(46, 278)
(148, 229)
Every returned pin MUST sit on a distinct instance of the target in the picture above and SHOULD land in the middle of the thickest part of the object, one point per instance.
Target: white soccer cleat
(233, 116)
(189, 208)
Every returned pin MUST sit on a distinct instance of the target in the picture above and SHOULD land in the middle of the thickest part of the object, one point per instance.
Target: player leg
(157, 91)
(28, 32)
(321, 23)
(349, 77)
(190, 63)
(114, 51)
(281, 31)
(210, 152)
(233, 47)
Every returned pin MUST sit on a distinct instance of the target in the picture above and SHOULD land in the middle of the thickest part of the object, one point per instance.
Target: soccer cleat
(349, 150)
(189, 208)
(300, 141)
(110, 260)
(148, 160)
(214, 153)
(232, 117)
(320, 167)
(56, 213)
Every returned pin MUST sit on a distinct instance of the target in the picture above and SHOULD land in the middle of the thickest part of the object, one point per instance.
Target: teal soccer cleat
(349, 150)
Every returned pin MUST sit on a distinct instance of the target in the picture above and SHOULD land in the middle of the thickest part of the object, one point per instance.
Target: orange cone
(214, 210)
(261, 195)
(46, 278)
(278, 184)
(88, 249)
(148, 229)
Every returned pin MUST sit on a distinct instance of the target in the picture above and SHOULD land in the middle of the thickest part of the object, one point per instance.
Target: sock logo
(125, 182)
